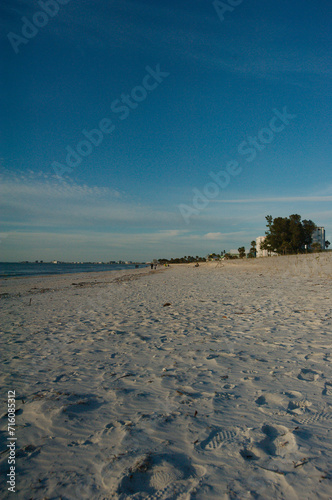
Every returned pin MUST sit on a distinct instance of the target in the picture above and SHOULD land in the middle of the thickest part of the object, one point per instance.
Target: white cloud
(172, 232)
(213, 236)
(30, 202)
(43, 219)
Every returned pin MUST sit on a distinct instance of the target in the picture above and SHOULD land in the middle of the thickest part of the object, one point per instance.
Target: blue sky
(225, 75)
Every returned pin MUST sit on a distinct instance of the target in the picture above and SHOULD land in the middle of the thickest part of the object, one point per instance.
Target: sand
(225, 393)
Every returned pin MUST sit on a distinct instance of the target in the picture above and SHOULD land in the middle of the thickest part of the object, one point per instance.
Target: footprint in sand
(270, 403)
(164, 475)
(217, 438)
(298, 407)
(78, 404)
(279, 441)
(250, 453)
(28, 451)
(317, 417)
(293, 394)
(114, 433)
(261, 400)
(221, 397)
(62, 378)
(160, 477)
(308, 375)
(327, 391)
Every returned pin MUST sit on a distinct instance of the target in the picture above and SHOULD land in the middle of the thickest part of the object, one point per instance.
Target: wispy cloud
(30, 201)
(245, 53)
(227, 235)
(43, 219)
(213, 236)
(172, 232)
(282, 199)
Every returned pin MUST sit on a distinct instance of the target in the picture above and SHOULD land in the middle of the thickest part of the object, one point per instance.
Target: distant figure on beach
(151, 265)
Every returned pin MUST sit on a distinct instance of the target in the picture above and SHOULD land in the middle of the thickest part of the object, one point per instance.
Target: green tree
(278, 235)
(242, 252)
(296, 233)
(252, 251)
(288, 235)
(327, 244)
(308, 227)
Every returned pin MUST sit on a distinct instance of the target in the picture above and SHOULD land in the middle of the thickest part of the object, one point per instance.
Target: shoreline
(15, 281)
(266, 262)
(96, 269)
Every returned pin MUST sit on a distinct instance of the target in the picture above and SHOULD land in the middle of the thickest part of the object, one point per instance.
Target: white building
(259, 251)
(318, 236)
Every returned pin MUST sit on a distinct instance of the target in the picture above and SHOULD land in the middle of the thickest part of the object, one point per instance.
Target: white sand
(225, 394)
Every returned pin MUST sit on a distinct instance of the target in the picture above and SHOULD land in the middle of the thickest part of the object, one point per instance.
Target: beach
(209, 382)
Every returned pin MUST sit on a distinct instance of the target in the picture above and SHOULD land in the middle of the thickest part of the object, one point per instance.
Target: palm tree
(242, 252)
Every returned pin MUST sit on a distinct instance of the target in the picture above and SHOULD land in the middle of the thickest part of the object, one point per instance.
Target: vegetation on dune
(285, 236)
(288, 235)
(182, 260)
(242, 252)
(252, 251)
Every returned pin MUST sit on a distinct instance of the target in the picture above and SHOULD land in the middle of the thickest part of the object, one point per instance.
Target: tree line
(187, 259)
(284, 236)
(290, 235)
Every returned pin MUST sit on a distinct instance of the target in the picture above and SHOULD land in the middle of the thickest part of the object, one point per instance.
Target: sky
(155, 129)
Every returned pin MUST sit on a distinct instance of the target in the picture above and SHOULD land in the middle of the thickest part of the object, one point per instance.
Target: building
(318, 236)
(259, 251)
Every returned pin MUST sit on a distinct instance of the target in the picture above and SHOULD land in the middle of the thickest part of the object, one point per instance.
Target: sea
(15, 269)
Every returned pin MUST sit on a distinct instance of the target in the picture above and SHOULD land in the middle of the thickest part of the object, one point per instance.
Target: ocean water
(12, 269)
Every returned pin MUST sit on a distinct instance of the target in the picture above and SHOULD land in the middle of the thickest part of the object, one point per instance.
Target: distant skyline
(136, 130)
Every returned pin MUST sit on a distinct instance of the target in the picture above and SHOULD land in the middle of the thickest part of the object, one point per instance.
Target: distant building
(318, 236)
(259, 251)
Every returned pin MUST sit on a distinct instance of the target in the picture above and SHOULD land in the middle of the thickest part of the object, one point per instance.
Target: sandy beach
(202, 383)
